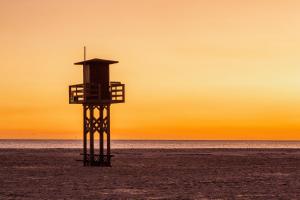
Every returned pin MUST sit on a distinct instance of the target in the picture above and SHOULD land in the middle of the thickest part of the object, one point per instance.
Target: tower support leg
(85, 132)
(96, 120)
(101, 137)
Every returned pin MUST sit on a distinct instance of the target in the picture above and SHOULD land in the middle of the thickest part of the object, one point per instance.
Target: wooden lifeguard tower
(96, 94)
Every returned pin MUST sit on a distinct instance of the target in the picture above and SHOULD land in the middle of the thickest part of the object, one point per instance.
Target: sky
(193, 69)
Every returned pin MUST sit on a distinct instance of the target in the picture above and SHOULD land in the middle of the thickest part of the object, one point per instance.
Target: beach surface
(152, 174)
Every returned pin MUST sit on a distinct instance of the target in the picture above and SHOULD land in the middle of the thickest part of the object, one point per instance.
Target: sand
(152, 174)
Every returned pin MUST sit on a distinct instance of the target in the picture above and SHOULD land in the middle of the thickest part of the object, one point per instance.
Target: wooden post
(108, 133)
(85, 131)
(91, 135)
(101, 134)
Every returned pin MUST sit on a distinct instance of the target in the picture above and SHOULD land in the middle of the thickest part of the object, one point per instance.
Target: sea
(148, 144)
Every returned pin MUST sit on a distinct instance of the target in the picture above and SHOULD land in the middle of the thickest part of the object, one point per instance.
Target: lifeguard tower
(96, 94)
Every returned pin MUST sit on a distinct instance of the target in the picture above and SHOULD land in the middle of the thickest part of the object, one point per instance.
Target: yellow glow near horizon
(193, 69)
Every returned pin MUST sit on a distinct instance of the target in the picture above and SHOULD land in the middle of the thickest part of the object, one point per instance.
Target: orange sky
(193, 69)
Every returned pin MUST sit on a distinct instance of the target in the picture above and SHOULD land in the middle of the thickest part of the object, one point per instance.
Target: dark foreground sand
(152, 174)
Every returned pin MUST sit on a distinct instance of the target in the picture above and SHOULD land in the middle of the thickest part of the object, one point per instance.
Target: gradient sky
(194, 69)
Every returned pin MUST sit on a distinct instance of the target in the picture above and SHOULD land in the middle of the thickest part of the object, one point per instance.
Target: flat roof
(96, 60)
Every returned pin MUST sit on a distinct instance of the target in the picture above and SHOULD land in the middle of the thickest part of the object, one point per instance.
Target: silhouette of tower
(96, 94)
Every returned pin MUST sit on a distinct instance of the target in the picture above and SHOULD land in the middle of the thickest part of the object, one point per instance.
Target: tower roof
(96, 60)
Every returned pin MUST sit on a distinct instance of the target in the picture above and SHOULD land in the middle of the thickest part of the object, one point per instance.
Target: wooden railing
(91, 93)
(117, 92)
(76, 93)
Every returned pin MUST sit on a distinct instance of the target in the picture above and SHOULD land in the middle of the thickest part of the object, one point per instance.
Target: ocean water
(138, 144)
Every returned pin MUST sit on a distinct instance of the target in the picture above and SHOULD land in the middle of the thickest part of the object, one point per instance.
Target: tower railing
(91, 93)
(117, 92)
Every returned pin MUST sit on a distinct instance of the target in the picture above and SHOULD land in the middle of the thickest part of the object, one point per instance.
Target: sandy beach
(152, 174)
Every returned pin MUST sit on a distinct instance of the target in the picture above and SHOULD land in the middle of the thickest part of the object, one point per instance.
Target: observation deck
(95, 94)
